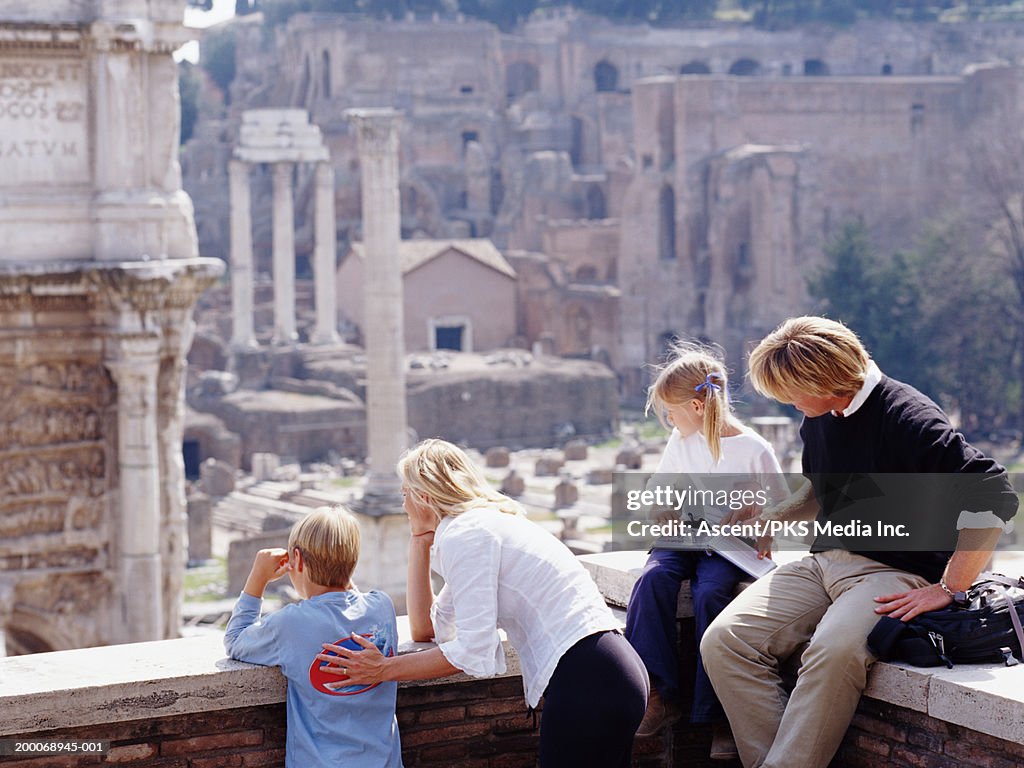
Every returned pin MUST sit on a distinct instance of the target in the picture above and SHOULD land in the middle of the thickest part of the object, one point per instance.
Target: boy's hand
(269, 565)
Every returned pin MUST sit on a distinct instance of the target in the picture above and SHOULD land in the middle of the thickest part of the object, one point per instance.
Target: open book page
(741, 554)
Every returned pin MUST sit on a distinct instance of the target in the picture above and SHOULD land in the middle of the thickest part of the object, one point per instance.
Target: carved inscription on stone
(43, 126)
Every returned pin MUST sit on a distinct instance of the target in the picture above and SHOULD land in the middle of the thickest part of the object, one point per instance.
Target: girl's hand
(763, 545)
(365, 667)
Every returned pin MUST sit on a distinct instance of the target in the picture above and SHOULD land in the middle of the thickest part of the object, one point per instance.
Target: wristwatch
(958, 598)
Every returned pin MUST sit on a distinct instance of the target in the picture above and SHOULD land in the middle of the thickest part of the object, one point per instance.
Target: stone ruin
(584, 151)
(98, 277)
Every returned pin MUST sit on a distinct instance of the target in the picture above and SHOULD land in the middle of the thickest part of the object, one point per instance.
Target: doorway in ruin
(192, 457)
(606, 77)
(521, 78)
(454, 333)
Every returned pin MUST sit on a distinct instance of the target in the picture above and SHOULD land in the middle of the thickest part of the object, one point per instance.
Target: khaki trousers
(824, 603)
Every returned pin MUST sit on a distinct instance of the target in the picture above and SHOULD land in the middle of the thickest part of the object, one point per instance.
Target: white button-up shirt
(501, 570)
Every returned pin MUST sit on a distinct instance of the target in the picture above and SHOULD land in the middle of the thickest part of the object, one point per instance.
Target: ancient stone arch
(597, 206)
(420, 207)
(302, 93)
(745, 67)
(606, 77)
(815, 68)
(667, 223)
(325, 74)
(583, 141)
(695, 67)
(521, 78)
(579, 326)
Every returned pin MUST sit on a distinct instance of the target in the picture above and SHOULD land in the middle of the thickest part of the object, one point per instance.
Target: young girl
(690, 397)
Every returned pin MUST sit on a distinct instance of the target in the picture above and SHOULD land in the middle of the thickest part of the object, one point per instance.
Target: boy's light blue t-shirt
(353, 726)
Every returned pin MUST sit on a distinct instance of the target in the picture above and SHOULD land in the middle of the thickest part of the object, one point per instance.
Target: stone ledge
(144, 680)
(982, 697)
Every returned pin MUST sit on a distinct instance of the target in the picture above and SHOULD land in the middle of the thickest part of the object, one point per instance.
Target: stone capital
(133, 362)
(377, 130)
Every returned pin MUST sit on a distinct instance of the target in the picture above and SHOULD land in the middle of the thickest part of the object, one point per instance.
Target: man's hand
(269, 565)
(906, 605)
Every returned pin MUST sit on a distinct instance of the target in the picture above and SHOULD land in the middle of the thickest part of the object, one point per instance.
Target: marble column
(325, 256)
(242, 335)
(284, 255)
(134, 365)
(383, 325)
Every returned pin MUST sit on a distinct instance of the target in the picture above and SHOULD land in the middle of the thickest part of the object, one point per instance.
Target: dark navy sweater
(897, 459)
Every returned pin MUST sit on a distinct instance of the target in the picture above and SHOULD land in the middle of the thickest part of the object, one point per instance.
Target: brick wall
(462, 724)
(884, 735)
(473, 724)
(248, 736)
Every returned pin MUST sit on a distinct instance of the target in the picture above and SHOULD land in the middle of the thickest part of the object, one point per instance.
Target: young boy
(353, 726)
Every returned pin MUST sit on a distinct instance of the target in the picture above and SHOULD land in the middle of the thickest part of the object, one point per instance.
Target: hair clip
(709, 384)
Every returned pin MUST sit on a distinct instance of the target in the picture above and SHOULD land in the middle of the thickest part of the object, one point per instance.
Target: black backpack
(987, 629)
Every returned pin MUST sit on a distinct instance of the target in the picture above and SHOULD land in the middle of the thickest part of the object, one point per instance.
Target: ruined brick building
(641, 182)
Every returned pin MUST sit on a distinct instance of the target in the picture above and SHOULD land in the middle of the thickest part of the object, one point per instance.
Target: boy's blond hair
(328, 538)
(693, 372)
(810, 355)
(450, 482)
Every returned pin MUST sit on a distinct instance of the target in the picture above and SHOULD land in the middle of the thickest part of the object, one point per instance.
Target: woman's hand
(365, 667)
(422, 517)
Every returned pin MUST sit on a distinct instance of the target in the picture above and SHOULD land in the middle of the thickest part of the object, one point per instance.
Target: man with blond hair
(856, 421)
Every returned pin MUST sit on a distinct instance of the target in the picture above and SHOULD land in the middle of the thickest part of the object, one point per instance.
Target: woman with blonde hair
(502, 571)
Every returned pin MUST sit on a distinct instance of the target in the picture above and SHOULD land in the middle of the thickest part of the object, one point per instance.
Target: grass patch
(344, 482)
(207, 582)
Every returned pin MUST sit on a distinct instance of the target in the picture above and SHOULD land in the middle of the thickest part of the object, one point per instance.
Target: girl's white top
(502, 570)
(747, 454)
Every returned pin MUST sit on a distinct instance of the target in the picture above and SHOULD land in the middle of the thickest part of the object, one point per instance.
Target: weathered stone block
(199, 528)
(576, 450)
(513, 485)
(499, 456)
(217, 478)
(549, 464)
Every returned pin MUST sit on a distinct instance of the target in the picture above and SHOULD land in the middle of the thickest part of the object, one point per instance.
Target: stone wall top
(143, 680)
(982, 697)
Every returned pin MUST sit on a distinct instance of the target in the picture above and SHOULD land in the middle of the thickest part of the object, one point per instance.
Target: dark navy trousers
(651, 625)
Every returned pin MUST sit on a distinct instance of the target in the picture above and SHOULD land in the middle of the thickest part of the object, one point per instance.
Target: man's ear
(297, 559)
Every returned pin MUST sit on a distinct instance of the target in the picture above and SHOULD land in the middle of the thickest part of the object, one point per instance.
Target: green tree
(879, 298)
(934, 316)
(217, 57)
(969, 346)
(188, 91)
